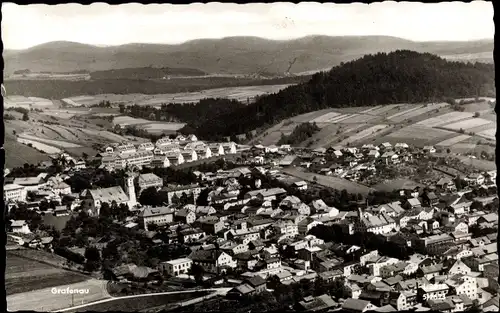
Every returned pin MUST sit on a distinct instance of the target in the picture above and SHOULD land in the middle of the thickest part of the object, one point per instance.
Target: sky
(24, 26)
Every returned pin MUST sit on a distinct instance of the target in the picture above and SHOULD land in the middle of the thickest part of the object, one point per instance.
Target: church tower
(130, 190)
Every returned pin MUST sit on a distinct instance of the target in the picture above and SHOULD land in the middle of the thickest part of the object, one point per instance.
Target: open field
(45, 300)
(24, 273)
(418, 124)
(467, 124)
(411, 113)
(329, 181)
(482, 165)
(27, 102)
(237, 93)
(419, 132)
(478, 106)
(59, 222)
(326, 117)
(17, 154)
(159, 128)
(363, 134)
(488, 134)
(104, 134)
(49, 76)
(129, 121)
(63, 132)
(39, 146)
(56, 143)
(358, 118)
(452, 141)
(447, 118)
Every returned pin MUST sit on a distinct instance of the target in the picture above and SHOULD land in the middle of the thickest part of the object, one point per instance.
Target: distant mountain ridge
(234, 55)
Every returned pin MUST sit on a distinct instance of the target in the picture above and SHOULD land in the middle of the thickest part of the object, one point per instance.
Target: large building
(148, 180)
(14, 193)
(92, 199)
(159, 216)
(175, 267)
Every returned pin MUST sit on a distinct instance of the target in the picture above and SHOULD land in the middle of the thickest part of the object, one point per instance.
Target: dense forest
(300, 134)
(400, 76)
(59, 89)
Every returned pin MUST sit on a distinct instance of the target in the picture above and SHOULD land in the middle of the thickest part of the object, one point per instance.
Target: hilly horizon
(232, 55)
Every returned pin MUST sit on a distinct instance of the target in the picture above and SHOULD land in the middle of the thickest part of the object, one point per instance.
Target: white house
(429, 149)
(229, 148)
(161, 161)
(175, 267)
(300, 185)
(216, 148)
(20, 226)
(474, 179)
(14, 192)
(189, 155)
(212, 261)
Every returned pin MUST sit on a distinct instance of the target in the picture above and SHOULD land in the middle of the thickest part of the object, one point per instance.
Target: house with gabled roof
(357, 305)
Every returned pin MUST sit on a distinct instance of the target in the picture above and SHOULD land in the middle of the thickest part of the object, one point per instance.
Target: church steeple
(130, 190)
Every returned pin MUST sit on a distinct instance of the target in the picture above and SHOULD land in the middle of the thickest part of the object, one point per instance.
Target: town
(279, 227)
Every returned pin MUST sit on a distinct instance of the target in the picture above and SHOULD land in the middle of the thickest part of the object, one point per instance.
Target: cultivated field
(27, 102)
(45, 300)
(411, 113)
(329, 181)
(447, 118)
(363, 134)
(326, 117)
(488, 134)
(431, 135)
(452, 141)
(124, 121)
(482, 165)
(39, 146)
(467, 124)
(159, 128)
(23, 273)
(418, 124)
(56, 143)
(238, 93)
(17, 154)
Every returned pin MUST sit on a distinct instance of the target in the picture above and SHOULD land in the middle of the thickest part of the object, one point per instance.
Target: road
(218, 291)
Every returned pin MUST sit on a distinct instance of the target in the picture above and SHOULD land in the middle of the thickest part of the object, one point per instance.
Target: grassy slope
(16, 154)
(228, 55)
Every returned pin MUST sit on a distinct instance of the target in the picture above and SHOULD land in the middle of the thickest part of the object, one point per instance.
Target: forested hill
(400, 76)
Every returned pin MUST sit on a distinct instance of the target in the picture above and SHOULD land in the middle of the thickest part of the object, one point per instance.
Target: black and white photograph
(245, 158)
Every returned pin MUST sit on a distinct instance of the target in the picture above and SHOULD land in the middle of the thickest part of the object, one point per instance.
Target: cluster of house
(164, 152)
(449, 271)
(350, 162)
(264, 233)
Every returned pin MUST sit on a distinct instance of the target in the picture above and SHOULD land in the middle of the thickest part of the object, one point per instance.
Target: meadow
(329, 181)
(55, 143)
(24, 273)
(39, 146)
(467, 124)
